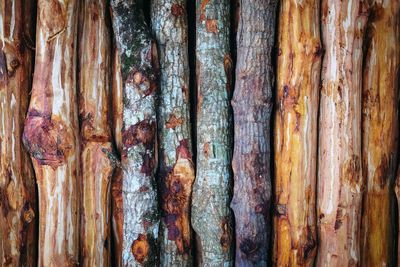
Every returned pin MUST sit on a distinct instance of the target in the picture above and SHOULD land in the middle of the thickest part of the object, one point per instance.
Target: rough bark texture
(339, 175)
(380, 130)
(397, 193)
(137, 215)
(295, 138)
(51, 133)
(176, 170)
(252, 105)
(94, 105)
(18, 214)
(211, 215)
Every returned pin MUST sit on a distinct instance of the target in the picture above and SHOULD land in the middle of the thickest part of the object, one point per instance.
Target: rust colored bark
(380, 130)
(18, 213)
(176, 170)
(340, 181)
(295, 138)
(51, 133)
(134, 189)
(94, 105)
(252, 106)
(211, 215)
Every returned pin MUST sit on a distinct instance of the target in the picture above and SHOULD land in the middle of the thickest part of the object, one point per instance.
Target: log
(211, 215)
(18, 204)
(94, 106)
(176, 169)
(340, 181)
(134, 191)
(252, 107)
(380, 131)
(295, 137)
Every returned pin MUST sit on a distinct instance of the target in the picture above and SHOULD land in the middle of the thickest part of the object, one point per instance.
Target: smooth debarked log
(340, 181)
(380, 131)
(94, 106)
(176, 170)
(211, 215)
(295, 136)
(135, 195)
(252, 107)
(18, 212)
(51, 133)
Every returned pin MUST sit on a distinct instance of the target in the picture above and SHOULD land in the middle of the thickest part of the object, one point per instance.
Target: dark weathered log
(295, 136)
(18, 214)
(252, 105)
(136, 209)
(51, 133)
(380, 131)
(211, 215)
(176, 170)
(94, 106)
(340, 182)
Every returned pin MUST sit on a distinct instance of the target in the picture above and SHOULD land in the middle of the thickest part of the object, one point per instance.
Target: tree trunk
(97, 169)
(252, 105)
(176, 170)
(51, 131)
(397, 194)
(211, 215)
(380, 131)
(136, 203)
(339, 178)
(295, 138)
(18, 213)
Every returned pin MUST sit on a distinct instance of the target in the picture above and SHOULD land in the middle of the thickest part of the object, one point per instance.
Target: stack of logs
(199, 133)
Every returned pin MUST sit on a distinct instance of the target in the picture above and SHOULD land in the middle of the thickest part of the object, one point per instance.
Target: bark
(211, 215)
(340, 182)
(295, 138)
(51, 131)
(397, 194)
(97, 168)
(252, 106)
(380, 131)
(176, 170)
(135, 191)
(18, 213)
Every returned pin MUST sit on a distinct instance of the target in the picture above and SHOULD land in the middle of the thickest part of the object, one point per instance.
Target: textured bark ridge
(94, 105)
(134, 190)
(211, 215)
(295, 138)
(51, 133)
(176, 170)
(252, 105)
(18, 214)
(380, 131)
(340, 182)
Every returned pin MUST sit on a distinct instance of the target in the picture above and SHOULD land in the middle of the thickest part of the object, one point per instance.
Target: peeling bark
(18, 213)
(295, 138)
(211, 215)
(340, 182)
(176, 170)
(136, 210)
(51, 131)
(97, 169)
(252, 105)
(380, 131)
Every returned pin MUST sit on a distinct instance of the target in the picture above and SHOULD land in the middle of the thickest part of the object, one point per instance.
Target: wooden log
(51, 133)
(252, 106)
(135, 195)
(295, 137)
(94, 106)
(211, 215)
(18, 204)
(176, 169)
(380, 131)
(340, 181)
